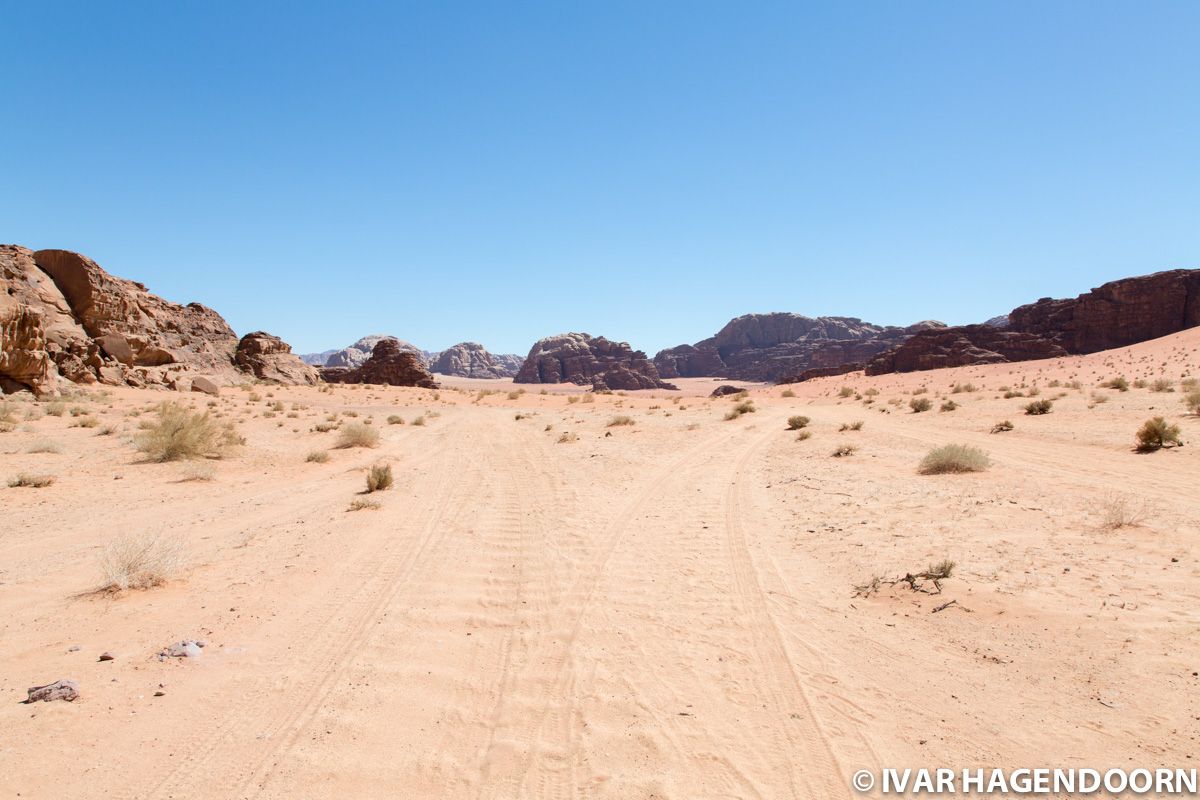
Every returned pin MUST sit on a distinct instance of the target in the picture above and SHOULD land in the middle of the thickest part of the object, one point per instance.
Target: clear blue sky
(501, 171)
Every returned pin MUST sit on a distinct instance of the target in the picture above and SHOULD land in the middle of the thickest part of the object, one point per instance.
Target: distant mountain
(472, 360)
(357, 354)
(771, 347)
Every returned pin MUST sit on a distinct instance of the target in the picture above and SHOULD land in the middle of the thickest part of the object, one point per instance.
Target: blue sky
(500, 172)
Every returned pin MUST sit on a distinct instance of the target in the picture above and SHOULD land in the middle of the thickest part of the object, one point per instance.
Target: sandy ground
(668, 611)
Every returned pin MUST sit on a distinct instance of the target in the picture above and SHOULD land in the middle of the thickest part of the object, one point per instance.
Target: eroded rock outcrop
(472, 360)
(390, 363)
(1117, 314)
(357, 354)
(583, 359)
(770, 347)
(63, 317)
(270, 358)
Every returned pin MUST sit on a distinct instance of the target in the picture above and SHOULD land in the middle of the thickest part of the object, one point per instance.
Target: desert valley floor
(548, 605)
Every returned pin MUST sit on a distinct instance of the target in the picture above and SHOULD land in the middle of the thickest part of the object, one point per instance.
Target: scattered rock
(106, 656)
(186, 648)
(726, 389)
(205, 385)
(59, 690)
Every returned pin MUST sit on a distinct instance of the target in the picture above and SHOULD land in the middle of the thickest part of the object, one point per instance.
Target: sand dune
(668, 611)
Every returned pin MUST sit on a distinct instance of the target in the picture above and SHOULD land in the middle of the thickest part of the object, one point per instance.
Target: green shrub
(797, 422)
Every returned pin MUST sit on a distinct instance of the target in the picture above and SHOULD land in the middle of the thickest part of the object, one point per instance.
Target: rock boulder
(583, 359)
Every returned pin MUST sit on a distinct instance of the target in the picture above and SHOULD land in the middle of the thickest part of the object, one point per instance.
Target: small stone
(159, 693)
(106, 656)
(59, 690)
(74, 648)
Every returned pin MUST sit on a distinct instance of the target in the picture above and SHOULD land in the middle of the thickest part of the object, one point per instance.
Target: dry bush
(395, 419)
(949, 405)
(745, 407)
(803, 435)
(844, 450)
(419, 421)
(357, 434)
(959, 388)
(363, 504)
(588, 397)
(198, 472)
(379, 477)
(139, 562)
(919, 404)
(1192, 401)
(567, 437)
(845, 391)
(182, 433)
(787, 393)
(56, 409)
(1121, 511)
(1039, 407)
(31, 481)
(1155, 434)
(851, 426)
(1162, 385)
(85, 422)
(954, 458)
(797, 422)
(1119, 383)
(1001, 427)
(620, 420)
(317, 457)
(44, 446)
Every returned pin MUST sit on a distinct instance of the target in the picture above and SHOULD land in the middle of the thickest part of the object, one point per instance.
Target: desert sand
(668, 611)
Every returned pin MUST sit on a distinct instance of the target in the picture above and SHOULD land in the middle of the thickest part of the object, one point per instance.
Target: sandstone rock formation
(962, 345)
(823, 372)
(472, 360)
(768, 347)
(269, 358)
(390, 363)
(357, 354)
(1117, 314)
(63, 317)
(583, 359)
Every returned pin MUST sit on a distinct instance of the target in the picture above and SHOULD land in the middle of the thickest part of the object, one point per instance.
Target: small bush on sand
(356, 434)
(363, 504)
(1162, 385)
(395, 419)
(379, 478)
(139, 562)
(1119, 383)
(919, 404)
(200, 472)
(797, 422)
(1192, 401)
(1039, 407)
(959, 388)
(843, 450)
(317, 457)
(1121, 511)
(1002, 427)
(182, 433)
(934, 573)
(31, 481)
(803, 435)
(788, 393)
(857, 425)
(56, 409)
(1155, 434)
(620, 420)
(949, 405)
(845, 391)
(952, 458)
(44, 446)
(567, 437)
(419, 421)
(745, 407)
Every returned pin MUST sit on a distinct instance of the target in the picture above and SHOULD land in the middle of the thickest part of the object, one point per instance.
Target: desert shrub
(31, 481)
(317, 457)
(744, 407)
(356, 434)
(56, 409)
(921, 390)
(419, 421)
(951, 458)
(919, 404)
(567, 437)
(949, 405)
(44, 446)
(1098, 398)
(325, 427)
(843, 450)
(379, 477)
(588, 397)
(1039, 407)
(1001, 427)
(787, 393)
(1011, 393)
(1119, 383)
(182, 433)
(139, 562)
(803, 435)
(85, 422)
(1155, 434)
(845, 391)
(851, 426)
(959, 388)
(395, 419)
(1121, 511)
(1192, 401)
(797, 422)
(363, 504)
(200, 472)
(619, 421)
(572, 398)
(1162, 385)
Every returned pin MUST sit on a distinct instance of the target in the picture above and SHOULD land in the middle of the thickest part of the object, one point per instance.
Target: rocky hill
(63, 317)
(584, 359)
(1117, 314)
(772, 347)
(357, 354)
(472, 360)
(389, 363)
